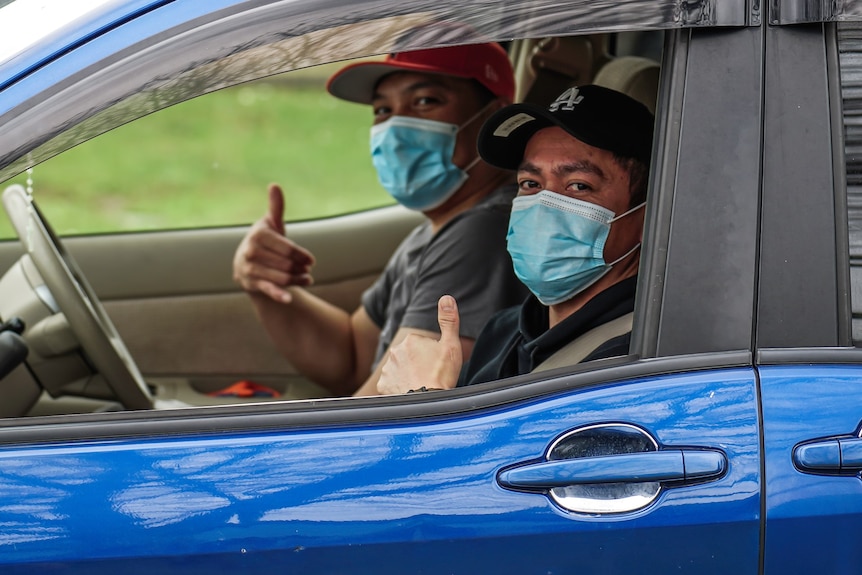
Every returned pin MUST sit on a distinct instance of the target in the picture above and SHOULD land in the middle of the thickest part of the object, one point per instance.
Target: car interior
(122, 321)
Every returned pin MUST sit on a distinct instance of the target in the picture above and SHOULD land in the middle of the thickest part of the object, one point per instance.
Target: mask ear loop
(637, 245)
(476, 115)
(624, 214)
(469, 166)
(476, 160)
(625, 255)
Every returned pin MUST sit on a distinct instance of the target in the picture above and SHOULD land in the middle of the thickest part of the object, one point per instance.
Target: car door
(649, 462)
(809, 367)
(444, 487)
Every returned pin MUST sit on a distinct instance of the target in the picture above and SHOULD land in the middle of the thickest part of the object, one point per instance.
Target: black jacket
(516, 340)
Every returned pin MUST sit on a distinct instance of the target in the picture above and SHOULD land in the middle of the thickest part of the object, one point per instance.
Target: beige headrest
(632, 75)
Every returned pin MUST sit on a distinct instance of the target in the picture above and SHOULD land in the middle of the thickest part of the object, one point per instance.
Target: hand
(266, 261)
(420, 361)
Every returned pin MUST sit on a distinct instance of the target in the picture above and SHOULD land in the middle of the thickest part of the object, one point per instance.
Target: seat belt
(576, 350)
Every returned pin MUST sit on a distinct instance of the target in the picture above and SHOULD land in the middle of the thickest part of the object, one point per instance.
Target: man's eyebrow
(583, 166)
(418, 85)
(529, 168)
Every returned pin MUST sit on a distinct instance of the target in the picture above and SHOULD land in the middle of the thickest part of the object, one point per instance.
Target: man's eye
(580, 187)
(426, 101)
(382, 111)
(528, 184)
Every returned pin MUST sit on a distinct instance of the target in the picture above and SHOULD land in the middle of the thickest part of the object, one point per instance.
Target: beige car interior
(170, 295)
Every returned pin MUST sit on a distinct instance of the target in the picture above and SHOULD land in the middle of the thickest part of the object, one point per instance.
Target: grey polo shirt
(467, 259)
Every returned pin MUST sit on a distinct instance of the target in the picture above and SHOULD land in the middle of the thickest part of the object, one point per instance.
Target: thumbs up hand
(423, 362)
(266, 261)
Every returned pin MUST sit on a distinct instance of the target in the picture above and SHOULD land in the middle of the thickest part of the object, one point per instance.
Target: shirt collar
(605, 306)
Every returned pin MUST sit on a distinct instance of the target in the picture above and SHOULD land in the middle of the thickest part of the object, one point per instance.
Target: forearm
(369, 386)
(416, 359)
(315, 336)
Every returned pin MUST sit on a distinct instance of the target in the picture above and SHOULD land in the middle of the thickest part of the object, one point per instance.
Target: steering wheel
(87, 318)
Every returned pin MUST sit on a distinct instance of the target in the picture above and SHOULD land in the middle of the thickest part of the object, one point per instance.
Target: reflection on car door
(814, 494)
(421, 496)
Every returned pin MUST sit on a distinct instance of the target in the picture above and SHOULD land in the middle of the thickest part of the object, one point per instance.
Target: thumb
(449, 320)
(276, 208)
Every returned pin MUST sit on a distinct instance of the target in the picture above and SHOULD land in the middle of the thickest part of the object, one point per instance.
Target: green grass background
(207, 162)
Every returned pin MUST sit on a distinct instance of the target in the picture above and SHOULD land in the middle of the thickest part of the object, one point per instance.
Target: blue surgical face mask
(557, 244)
(413, 159)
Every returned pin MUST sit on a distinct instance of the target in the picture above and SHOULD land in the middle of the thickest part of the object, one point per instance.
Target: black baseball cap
(595, 115)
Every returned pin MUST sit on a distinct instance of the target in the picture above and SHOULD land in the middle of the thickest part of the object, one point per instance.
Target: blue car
(727, 441)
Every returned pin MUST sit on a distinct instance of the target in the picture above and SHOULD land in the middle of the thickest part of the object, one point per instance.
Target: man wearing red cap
(428, 107)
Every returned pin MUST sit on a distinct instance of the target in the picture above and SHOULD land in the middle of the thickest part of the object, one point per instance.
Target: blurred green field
(207, 162)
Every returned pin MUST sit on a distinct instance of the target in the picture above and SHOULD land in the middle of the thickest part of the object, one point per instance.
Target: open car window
(227, 70)
(203, 165)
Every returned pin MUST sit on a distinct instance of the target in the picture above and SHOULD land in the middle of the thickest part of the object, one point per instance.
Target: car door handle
(666, 465)
(829, 455)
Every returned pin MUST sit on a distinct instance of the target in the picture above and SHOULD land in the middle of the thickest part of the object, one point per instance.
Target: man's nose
(404, 112)
(554, 185)
(403, 108)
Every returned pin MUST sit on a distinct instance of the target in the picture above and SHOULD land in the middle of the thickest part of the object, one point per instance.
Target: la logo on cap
(566, 101)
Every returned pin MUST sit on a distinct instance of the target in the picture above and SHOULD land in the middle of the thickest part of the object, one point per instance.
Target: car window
(229, 189)
(207, 161)
(850, 54)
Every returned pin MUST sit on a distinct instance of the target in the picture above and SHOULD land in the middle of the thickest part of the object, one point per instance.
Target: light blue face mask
(557, 244)
(413, 159)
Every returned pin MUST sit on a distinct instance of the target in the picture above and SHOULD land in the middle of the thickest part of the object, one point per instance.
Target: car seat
(546, 67)
(638, 77)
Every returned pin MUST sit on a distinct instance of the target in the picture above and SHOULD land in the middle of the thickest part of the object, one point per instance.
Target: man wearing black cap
(574, 237)
(428, 107)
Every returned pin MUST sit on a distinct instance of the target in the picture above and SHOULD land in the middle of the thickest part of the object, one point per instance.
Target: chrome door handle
(836, 455)
(678, 465)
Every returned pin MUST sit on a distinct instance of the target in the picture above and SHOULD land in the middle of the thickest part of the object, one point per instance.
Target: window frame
(679, 276)
(789, 12)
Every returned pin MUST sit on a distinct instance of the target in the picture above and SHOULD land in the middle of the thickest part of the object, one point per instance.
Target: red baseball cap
(486, 63)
